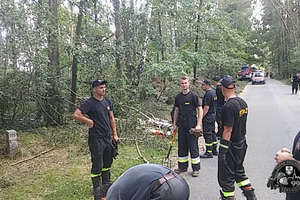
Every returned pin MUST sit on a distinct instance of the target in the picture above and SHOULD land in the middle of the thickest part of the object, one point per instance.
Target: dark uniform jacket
(296, 155)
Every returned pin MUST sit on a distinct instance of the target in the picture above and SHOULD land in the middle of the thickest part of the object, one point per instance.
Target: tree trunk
(75, 61)
(116, 5)
(145, 42)
(54, 109)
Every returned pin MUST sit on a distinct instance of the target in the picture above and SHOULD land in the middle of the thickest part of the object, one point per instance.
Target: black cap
(216, 78)
(98, 82)
(227, 81)
(205, 81)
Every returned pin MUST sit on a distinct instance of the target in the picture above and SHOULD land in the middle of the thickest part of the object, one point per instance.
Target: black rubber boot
(249, 194)
(98, 193)
(206, 155)
(226, 198)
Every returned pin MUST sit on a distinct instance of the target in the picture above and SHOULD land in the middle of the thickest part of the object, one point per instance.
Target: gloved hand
(114, 145)
(272, 183)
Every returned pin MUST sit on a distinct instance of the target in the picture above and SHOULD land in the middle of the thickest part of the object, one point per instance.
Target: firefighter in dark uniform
(208, 122)
(101, 122)
(233, 146)
(149, 182)
(295, 84)
(187, 115)
(285, 154)
(220, 103)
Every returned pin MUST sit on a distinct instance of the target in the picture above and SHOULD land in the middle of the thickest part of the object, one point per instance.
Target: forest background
(51, 50)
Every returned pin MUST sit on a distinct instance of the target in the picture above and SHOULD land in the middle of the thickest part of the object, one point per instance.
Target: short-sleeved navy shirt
(234, 114)
(187, 105)
(210, 99)
(296, 155)
(137, 182)
(98, 111)
(220, 97)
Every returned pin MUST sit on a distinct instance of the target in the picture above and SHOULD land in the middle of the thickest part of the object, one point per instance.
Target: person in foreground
(233, 146)
(149, 182)
(285, 154)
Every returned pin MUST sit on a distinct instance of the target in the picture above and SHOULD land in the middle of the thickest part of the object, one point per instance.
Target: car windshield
(258, 75)
(244, 69)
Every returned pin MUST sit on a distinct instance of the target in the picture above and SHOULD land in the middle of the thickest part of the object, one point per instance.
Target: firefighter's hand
(115, 138)
(282, 156)
(175, 128)
(90, 123)
(198, 127)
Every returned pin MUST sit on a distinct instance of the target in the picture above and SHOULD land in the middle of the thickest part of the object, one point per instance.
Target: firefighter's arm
(78, 116)
(227, 133)
(199, 117)
(175, 117)
(205, 109)
(113, 125)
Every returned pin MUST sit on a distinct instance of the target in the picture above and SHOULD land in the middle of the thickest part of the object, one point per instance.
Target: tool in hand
(167, 161)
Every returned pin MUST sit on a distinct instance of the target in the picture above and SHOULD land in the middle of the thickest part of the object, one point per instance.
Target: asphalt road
(273, 121)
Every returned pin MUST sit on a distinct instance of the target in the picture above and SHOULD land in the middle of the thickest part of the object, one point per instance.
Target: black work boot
(226, 198)
(179, 171)
(206, 155)
(249, 194)
(98, 193)
(214, 150)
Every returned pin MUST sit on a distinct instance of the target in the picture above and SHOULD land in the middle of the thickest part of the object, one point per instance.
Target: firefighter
(101, 122)
(187, 115)
(285, 154)
(208, 121)
(149, 182)
(233, 146)
(295, 84)
(220, 103)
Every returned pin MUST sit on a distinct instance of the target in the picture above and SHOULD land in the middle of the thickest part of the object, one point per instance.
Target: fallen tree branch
(38, 155)
(138, 111)
(139, 152)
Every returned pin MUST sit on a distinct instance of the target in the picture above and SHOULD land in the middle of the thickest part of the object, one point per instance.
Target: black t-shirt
(234, 114)
(220, 97)
(98, 111)
(136, 183)
(187, 105)
(210, 99)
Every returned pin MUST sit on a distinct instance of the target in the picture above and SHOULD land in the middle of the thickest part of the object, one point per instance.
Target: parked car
(258, 77)
(245, 73)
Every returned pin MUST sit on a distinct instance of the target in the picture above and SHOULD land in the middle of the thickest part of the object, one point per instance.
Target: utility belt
(163, 179)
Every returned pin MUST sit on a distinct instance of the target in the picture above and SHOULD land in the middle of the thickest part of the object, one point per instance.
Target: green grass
(64, 173)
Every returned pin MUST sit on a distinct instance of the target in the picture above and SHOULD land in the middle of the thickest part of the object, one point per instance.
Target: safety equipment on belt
(114, 145)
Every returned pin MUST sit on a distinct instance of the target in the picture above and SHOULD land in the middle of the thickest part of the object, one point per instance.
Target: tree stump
(11, 143)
